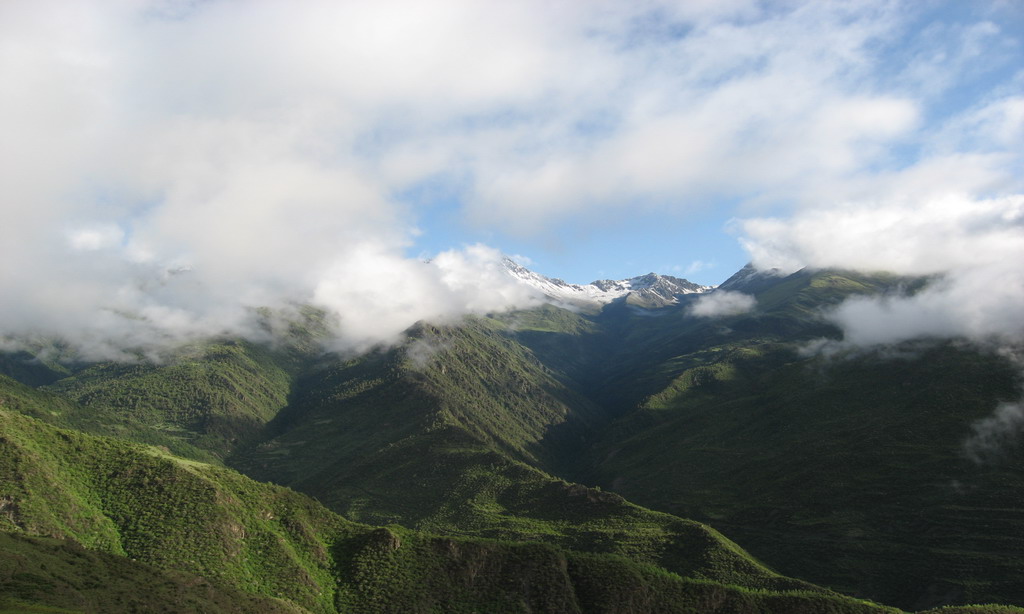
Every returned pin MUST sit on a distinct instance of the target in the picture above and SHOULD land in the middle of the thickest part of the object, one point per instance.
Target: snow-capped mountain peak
(651, 290)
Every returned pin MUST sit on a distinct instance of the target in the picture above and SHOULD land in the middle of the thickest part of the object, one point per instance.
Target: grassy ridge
(167, 512)
(202, 403)
(457, 575)
(47, 406)
(201, 400)
(203, 538)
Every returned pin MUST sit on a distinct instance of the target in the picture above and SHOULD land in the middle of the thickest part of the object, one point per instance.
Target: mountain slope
(445, 445)
(207, 398)
(61, 577)
(222, 542)
(472, 377)
(848, 471)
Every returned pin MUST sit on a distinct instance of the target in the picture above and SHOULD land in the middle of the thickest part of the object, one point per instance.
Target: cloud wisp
(720, 303)
(993, 438)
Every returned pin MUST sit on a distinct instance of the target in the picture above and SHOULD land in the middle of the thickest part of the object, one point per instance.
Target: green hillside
(472, 377)
(52, 576)
(195, 537)
(205, 400)
(473, 441)
(848, 471)
(444, 446)
(200, 400)
(822, 469)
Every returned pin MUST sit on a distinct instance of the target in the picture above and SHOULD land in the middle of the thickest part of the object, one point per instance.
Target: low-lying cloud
(720, 303)
(422, 351)
(376, 296)
(972, 249)
(997, 436)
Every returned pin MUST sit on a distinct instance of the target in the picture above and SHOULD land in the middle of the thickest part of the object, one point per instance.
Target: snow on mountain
(651, 290)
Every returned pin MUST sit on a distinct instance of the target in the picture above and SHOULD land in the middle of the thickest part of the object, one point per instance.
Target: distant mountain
(651, 290)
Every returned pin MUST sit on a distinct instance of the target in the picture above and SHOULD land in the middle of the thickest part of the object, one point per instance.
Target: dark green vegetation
(472, 442)
(60, 576)
(848, 471)
(828, 479)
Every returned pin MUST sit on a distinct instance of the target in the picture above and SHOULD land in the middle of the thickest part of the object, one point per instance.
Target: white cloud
(256, 149)
(97, 237)
(696, 266)
(422, 351)
(719, 303)
(974, 247)
(980, 304)
(997, 435)
(377, 294)
(915, 237)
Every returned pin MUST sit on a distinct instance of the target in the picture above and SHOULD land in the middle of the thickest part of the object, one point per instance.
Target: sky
(168, 165)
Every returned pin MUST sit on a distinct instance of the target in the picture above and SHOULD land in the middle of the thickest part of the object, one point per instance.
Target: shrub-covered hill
(472, 382)
(55, 576)
(852, 473)
(201, 402)
(209, 539)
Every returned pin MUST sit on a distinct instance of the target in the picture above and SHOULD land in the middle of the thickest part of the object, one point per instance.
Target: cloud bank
(974, 248)
(169, 165)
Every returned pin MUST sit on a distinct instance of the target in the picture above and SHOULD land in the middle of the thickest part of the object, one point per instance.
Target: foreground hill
(168, 534)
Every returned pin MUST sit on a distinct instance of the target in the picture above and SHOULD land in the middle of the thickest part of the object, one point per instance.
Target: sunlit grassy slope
(168, 534)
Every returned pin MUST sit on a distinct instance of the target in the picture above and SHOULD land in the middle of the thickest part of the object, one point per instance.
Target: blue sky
(168, 164)
(695, 245)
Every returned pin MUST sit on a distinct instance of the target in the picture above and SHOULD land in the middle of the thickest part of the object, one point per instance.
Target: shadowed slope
(847, 471)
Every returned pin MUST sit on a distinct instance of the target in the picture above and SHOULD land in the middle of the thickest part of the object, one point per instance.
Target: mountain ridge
(651, 290)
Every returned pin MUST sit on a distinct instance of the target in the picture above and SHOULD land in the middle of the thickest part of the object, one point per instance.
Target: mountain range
(615, 449)
(651, 290)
